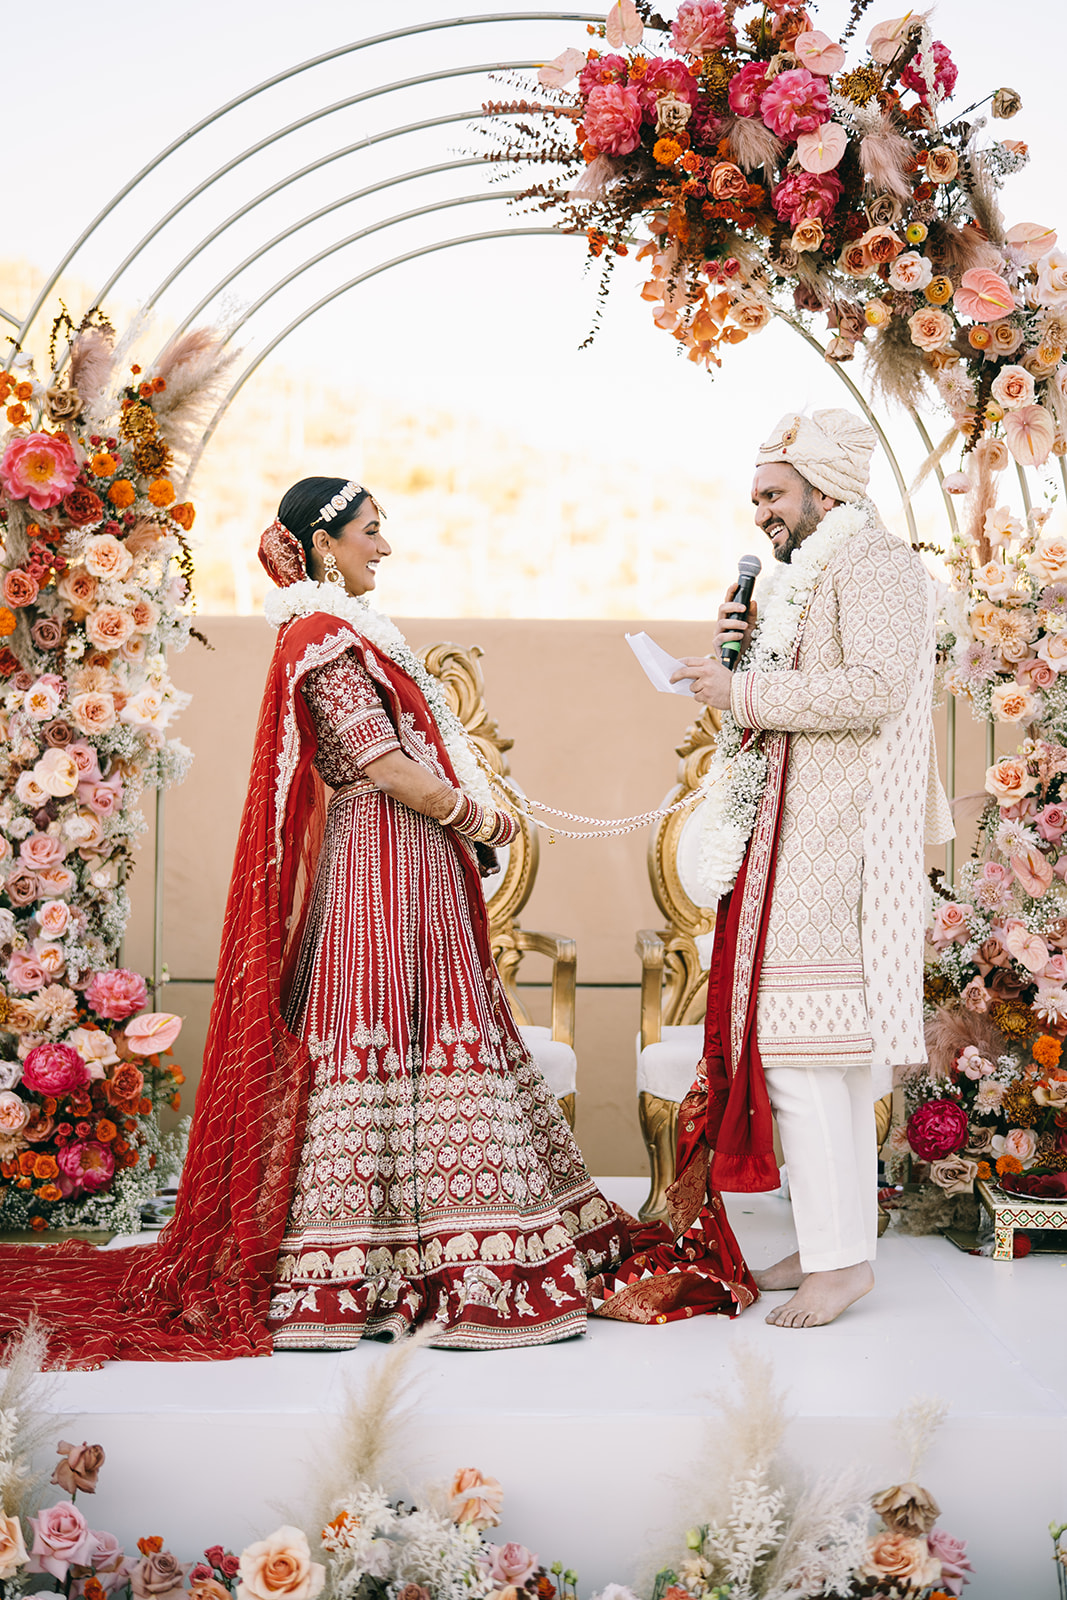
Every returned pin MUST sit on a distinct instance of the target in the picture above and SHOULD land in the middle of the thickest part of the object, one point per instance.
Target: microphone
(748, 570)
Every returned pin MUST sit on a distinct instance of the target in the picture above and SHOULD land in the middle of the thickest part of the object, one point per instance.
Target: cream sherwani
(842, 971)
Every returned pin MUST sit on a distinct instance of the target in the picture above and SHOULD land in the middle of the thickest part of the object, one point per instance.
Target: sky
(492, 329)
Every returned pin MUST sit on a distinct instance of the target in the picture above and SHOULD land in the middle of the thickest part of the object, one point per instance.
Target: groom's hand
(710, 679)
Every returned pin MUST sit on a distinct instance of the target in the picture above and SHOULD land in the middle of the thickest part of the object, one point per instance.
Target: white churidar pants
(826, 1125)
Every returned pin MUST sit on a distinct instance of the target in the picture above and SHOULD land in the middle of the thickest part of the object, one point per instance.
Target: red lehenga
(371, 1147)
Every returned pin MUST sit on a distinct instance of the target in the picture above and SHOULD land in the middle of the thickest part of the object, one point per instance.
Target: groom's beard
(808, 520)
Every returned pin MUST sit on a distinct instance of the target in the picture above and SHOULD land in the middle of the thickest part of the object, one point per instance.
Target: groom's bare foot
(785, 1274)
(822, 1296)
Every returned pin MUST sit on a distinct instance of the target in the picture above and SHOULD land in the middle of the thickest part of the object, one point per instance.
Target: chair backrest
(459, 671)
(673, 855)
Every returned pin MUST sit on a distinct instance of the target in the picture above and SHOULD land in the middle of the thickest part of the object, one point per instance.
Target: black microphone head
(749, 567)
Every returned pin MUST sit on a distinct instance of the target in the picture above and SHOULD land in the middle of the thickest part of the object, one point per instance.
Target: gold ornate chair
(674, 968)
(552, 1048)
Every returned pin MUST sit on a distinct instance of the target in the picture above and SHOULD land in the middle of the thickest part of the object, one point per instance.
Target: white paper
(658, 665)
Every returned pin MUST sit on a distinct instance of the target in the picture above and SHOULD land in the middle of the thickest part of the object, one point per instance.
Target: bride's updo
(302, 506)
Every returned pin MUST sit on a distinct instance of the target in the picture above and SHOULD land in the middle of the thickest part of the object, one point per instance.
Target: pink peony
(700, 25)
(747, 88)
(602, 69)
(937, 1128)
(40, 468)
(795, 102)
(613, 119)
(117, 993)
(511, 1565)
(945, 73)
(88, 1165)
(154, 1031)
(61, 1539)
(663, 76)
(806, 194)
(54, 1069)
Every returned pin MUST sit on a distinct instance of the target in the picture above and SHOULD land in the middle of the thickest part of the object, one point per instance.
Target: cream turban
(831, 449)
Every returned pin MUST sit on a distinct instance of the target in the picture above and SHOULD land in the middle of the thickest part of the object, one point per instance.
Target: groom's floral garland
(304, 599)
(736, 777)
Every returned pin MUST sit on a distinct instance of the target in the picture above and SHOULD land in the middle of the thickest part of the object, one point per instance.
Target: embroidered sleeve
(881, 598)
(348, 711)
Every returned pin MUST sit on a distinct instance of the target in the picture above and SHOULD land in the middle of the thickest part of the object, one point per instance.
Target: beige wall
(591, 736)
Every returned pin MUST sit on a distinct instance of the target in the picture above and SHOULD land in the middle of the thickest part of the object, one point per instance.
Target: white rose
(910, 272)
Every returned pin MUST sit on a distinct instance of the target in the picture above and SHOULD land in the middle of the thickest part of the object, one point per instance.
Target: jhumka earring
(332, 570)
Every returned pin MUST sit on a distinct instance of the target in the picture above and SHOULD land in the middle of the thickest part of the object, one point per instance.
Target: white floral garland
(304, 599)
(736, 778)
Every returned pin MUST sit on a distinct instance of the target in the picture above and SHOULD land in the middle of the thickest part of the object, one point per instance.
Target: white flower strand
(783, 598)
(603, 827)
(304, 599)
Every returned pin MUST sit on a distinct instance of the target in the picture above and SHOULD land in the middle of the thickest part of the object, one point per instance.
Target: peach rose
(854, 260)
(942, 165)
(52, 957)
(1013, 387)
(996, 580)
(975, 997)
(53, 918)
(1010, 703)
(475, 1499)
(1048, 561)
(41, 850)
(53, 882)
(96, 1048)
(12, 1548)
(42, 700)
(279, 1565)
(750, 314)
(145, 614)
(954, 1174)
(808, 235)
(106, 557)
(14, 1112)
(1004, 339)
(78, 587)
(896, 1556)
(950, 923)
(727, 182)
(30, 790)
(135, 649)
(1018, 1142)
(882, 245)
(92, 713)
(1009, 781)
(910, 272)
(931, 329)
(109, 627)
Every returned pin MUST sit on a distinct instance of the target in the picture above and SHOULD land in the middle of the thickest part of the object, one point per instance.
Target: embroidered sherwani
(841, 976)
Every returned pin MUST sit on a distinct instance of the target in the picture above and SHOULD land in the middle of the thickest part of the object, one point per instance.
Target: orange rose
(882, 245)
(17, 415)
(183, 514)
(122, 493)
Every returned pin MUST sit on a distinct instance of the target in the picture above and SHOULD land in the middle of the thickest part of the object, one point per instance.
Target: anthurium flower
(983, 296)
(819, 53)
(822, 150)
(1029, 241)
(624, 26)
(554, 74)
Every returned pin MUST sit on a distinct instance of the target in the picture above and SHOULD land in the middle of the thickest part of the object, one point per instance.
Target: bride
(372, 1148)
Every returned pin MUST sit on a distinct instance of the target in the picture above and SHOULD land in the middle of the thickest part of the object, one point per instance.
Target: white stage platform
(593, 1439)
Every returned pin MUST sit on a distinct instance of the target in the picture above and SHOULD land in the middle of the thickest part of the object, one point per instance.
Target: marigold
(44, 1167)
(666, 151)
(50, 1193)
(984, 1170)
(1008, 1164)
(103, 464)
(122, 493)
(184, 514)
(1047, 1050)
(161, 492)
(8, 622)
(17, 415)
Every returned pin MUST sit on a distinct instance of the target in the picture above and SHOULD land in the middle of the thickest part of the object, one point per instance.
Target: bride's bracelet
(461, 800)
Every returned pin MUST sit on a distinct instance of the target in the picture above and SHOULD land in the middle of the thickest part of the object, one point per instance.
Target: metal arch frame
(127, 189)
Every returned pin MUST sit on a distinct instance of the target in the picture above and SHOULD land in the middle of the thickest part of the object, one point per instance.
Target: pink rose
(116, 994)
(700, 25)
(158, 1577)
(19, 588)
(54, 882)
(60, 1540)
(53, 918)
(950, 923)
(152, 1033)
(104, 796)
(54, 1069)
(747, 88)
(21, 887)
(14, 1112)
(1035, 673)
(1018, 1142)
(89, 1165)
(40, 468)
(937, 1128)
(24, 973)
(795, 102)
(84, 759)
(612, 119)
(108, 1561)
(1009, 780)
(42, 850)
(1055, 970)
(907, 1560)
(952, 1554)
(806, 194)
(511, 1565)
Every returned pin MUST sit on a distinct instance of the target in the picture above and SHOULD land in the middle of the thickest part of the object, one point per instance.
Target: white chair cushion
(667, 1069)
(555, 1061)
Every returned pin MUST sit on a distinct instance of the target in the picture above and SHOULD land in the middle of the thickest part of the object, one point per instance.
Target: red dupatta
(201, 1292)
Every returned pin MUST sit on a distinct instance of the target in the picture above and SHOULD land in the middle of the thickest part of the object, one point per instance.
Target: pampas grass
(194, 367)
(25, 1424)
(752, 144)
(952, 1029)
(91, 362)
(929, 1209)
(885, 157)
(897, 371)
(957, 250)
(915, 1427)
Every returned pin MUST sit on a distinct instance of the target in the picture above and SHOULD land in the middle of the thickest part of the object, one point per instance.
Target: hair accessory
(281, 555)
(344, 497)
(332, 570)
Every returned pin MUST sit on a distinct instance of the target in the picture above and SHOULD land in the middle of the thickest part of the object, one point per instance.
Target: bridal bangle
(461, 799)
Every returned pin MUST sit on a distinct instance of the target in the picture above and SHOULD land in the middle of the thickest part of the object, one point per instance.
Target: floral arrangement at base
(95, 571)
(1059, 1556)
(772, 177)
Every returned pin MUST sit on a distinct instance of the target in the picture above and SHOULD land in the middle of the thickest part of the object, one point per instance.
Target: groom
(816, 981)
